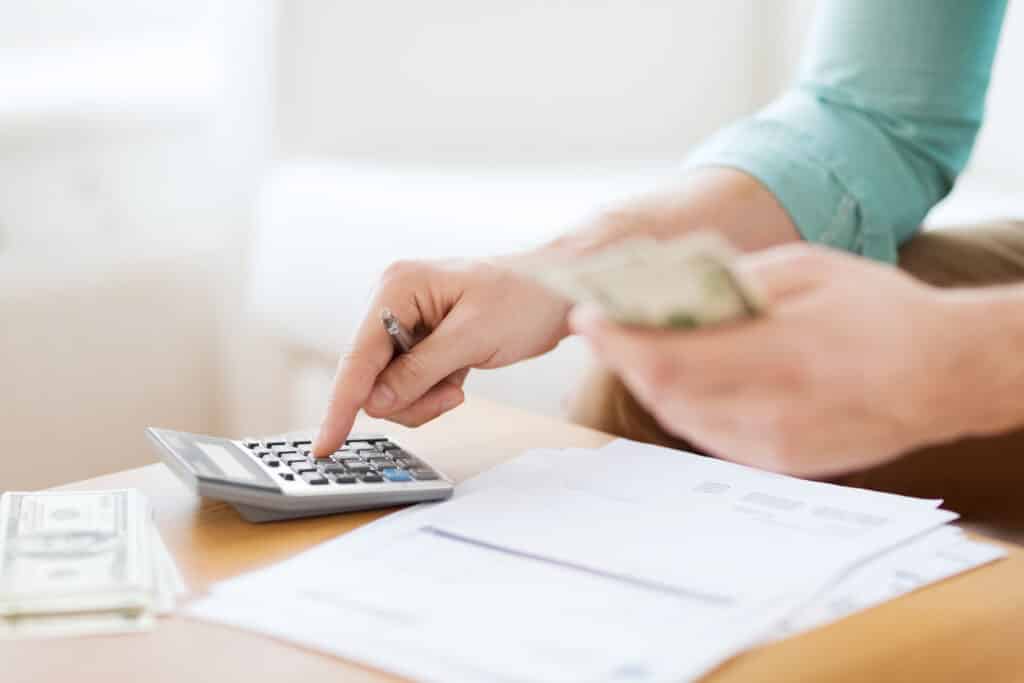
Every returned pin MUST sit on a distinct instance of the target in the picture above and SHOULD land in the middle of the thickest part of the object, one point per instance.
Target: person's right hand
(475, 315)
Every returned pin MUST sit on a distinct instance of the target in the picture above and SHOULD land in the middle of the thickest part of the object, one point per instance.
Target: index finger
(357, 372)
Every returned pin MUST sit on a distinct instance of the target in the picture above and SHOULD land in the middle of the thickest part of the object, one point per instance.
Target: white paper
(497, 617)
(626, 563)
(937, 555)
(687, 523)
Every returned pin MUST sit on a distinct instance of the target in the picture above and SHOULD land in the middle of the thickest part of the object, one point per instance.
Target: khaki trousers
(981, 478)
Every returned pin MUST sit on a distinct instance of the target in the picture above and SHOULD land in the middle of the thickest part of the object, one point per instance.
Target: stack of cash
(680, 284)
(83, 562)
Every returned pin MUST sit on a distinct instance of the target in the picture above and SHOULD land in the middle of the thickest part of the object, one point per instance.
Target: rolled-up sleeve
(880, 123)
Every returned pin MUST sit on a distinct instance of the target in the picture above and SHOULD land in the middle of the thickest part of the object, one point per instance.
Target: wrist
(517, 266)
(986, 366)
(725, 200)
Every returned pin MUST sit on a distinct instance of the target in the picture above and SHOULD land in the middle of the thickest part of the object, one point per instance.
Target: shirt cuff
(821, 206)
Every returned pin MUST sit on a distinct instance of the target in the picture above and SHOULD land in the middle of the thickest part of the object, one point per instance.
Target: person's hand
(475, 315)
(854, 363)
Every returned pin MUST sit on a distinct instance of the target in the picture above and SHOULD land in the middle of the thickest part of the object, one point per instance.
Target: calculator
(278, 478)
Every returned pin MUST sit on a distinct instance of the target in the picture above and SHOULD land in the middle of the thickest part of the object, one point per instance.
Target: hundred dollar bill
(82, 563)
(73, 552)
(685, 283)
(68, 624)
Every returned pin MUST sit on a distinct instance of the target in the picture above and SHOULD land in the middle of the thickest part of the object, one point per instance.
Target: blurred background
(197, 196)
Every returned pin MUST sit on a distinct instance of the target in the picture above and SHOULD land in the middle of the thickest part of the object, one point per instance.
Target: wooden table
(968, 628)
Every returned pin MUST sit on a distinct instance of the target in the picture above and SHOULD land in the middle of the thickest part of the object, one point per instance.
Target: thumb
(783, 272)
(448, 349)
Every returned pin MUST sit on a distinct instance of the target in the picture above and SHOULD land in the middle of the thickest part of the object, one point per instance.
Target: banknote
(82, 562)
(683, 283)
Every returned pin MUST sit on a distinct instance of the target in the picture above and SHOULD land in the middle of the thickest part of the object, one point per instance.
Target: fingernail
(382, 397)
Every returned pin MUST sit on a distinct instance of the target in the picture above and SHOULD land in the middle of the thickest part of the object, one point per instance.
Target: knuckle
(404, 420)
(406, 372)
(357, 361)
(401, 271)
(659, 374)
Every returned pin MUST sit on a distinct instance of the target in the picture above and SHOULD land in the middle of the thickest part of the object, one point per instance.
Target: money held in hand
(83, 562)
(680, 284)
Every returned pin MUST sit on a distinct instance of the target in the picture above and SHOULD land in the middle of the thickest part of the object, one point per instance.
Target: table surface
(967, 628)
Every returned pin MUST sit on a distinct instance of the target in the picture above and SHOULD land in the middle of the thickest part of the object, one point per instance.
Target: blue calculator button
(395, 474)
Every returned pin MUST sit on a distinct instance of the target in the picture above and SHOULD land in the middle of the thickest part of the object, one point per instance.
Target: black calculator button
(272, 444)
(357, 467)
(252, 445)
(333, 469)
(300, 443)
(301, 467)
(285, 451)
(423, 474)
(345, 478)
(272, 463)
(287, 477)
(313, 478)
(371, 478)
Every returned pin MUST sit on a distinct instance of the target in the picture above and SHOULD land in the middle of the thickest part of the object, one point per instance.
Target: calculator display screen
(226, 461)
(216, 459)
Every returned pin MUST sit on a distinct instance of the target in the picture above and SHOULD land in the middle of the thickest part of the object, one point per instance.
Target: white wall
(132, 140)
(999, 151)
(506, 82)
(514, 82)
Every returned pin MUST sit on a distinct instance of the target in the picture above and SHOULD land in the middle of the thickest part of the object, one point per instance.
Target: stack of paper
(627, 563)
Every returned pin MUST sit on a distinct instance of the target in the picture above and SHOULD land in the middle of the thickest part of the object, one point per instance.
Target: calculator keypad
(369, 460)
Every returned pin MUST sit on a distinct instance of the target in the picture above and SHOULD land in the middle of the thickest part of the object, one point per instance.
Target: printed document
(629, 563)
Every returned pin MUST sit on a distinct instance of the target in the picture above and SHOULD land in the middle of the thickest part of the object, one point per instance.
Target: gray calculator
(278, 477)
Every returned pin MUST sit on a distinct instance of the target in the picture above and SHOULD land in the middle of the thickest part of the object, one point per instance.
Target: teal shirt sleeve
(879, 124)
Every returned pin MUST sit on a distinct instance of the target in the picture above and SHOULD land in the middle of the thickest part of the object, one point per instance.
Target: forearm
(727, 201)
(878, 125)
(987, 380)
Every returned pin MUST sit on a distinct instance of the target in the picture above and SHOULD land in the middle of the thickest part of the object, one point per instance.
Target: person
(907, 379)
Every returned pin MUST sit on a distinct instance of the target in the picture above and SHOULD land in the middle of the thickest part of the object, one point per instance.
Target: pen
(402, 337)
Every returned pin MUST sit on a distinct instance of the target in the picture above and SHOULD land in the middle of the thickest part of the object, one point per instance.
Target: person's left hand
(853, 364)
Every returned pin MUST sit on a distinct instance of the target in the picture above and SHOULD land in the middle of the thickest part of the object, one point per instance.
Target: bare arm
(723, 199)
